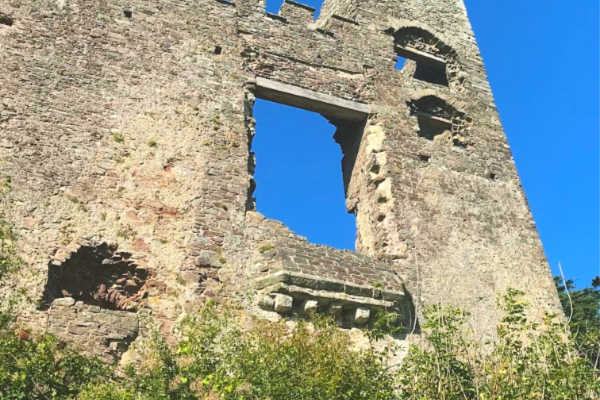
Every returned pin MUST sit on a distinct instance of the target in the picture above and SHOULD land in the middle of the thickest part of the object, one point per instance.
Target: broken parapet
(288, 293)
(294, 277)
(331, 50)
(297, 13)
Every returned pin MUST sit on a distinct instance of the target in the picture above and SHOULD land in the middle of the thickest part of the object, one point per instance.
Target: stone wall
(129, 124)
(106, 333)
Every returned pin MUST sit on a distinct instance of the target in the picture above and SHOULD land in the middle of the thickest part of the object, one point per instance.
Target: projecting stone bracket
(295, 294)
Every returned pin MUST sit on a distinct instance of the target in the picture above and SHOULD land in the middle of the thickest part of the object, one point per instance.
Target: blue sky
(542, 62)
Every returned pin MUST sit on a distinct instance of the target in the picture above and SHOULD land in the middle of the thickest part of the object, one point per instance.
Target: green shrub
(216, 359)
(8, 258)
(306, 363)
(529, 361)
(440, 370)
(582, 308)
(43, 368)
(108, 391)
(222, 356)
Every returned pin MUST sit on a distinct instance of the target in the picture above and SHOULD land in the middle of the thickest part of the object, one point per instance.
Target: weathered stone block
(266, 302)
(209, 259)
(63, 302)
(283, 304)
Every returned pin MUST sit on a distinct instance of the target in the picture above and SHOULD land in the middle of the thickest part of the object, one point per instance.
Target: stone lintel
(433, 117)
(418, 55)
(327, 105)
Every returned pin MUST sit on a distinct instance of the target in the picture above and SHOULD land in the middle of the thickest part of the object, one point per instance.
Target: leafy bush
(35, 368)
(222, 356)
(582, 308)
(441, 370)
(43, 368)
(8, 258)
(529, 361)
(217, 360)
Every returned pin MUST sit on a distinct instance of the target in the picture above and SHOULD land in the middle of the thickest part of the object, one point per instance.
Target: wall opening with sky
(299, 175)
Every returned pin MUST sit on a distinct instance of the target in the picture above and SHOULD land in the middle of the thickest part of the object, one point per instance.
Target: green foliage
(535, 362)
(223, 356)
(35, 368)
(441, 370)
(529, 361)
(8, 258)
(118, 138)
(386, 323)
(109, 391)
(303, 364)
(5, 184)
(43, 368)
(7, 315)
(216, 359)
(582, 308)
(265, 248)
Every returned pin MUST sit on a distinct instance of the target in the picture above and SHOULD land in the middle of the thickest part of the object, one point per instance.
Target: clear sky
(542, 59)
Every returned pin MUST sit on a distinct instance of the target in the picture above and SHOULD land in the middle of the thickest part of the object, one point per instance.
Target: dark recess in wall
(432, 73)
(5, 19)
(96, 275)
(429, 127)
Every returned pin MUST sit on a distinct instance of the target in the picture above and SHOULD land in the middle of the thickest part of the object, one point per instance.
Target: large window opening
(298, 176)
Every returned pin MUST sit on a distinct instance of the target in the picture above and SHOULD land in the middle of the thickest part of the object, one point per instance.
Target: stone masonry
(125, 134)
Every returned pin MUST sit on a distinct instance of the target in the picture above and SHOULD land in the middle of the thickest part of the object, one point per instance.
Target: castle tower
(125, 131)
(455, 222)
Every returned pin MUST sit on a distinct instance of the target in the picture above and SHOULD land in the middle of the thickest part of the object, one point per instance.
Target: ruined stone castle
(125, 137)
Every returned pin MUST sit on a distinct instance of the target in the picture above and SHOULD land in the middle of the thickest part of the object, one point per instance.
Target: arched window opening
(430, 54)
(438, 120)
(97, 274)
(431, 126)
